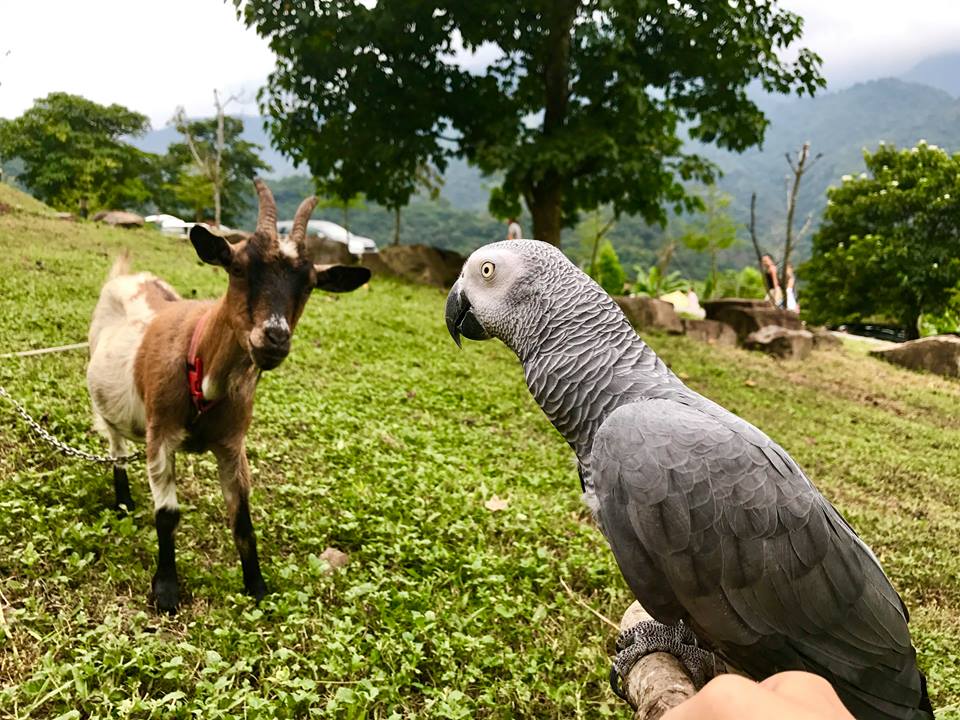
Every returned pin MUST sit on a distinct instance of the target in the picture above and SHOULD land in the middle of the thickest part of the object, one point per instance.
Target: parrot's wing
(712, 522)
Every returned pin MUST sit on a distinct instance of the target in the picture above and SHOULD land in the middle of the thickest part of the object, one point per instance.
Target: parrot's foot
(678, 640)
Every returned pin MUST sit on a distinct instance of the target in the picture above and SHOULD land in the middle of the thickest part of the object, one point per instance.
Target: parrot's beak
(460, 318)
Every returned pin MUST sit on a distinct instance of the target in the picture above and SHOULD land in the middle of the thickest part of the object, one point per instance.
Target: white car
(356, 244)
(170, 224)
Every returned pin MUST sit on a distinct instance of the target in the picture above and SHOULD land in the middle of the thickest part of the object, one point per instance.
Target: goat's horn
(267, 219)
(299, 231)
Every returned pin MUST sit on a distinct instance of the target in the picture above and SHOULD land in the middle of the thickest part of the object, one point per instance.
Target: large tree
(211, 168)
(889, 245)
(74, 155)
(581, 105)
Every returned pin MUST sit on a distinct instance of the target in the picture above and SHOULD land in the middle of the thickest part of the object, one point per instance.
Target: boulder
(781, 342)
(823, 339)
(119, 218)
(939, 354)
(417, 263)
(712, 332)
(65, 216)
(328, 252)
(748, 316)
(647, 313)
(375, 264)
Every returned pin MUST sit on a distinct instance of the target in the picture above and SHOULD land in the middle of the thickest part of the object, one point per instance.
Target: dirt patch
(871, 384)
(4, 208)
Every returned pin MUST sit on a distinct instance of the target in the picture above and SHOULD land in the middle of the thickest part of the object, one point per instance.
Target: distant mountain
(939, 71)
(464, 186)
(839, 125)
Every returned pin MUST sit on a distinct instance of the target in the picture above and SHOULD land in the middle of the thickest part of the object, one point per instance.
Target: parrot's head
(507, 289)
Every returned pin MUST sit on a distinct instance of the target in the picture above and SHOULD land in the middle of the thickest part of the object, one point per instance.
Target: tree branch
(753, 229)
(180, 121)
(658, 681)
(798, 171)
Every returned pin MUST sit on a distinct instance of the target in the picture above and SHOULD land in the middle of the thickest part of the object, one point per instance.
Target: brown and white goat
(181, 374)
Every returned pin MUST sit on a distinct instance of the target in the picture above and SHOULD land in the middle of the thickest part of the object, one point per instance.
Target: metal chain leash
(62, 446)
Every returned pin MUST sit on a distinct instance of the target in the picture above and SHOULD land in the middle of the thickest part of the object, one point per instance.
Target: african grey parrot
(717, 531)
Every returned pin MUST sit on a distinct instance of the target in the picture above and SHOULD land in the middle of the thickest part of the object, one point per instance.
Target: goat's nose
(277, 335)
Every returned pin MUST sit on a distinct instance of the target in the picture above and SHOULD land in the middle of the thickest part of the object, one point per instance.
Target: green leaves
(73, 154)
(888, 248)
(609, 273)
(653, 283)
(570, 105)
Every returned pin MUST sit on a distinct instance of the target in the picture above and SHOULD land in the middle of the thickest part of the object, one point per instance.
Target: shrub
(609, 273)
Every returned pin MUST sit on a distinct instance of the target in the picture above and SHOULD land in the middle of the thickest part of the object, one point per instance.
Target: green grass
(379, 438)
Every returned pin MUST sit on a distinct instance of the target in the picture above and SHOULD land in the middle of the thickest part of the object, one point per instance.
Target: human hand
(786, 696)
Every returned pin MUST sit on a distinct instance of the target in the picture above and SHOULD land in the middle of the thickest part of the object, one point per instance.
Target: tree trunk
(216, 205)
(545, 210)
(912, 323)
(396, 226)
(798, 170)
(753, 230)
(548, 192)
(218, 161)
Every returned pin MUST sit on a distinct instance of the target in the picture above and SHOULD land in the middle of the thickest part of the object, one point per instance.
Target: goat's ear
(341, 278)
(212, 249)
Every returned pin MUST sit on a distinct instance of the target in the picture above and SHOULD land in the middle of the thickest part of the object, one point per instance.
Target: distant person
(513, 229)
(791, 294)
(769, 267)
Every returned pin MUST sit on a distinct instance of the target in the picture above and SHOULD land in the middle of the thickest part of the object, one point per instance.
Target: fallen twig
(580, 602)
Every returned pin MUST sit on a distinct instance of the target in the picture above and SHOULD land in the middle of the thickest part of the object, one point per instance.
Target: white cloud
(862, 39)
(150, 56)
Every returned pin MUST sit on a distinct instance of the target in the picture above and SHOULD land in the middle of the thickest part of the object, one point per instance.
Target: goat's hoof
(166, 594)
(257, 590)
(123, 508)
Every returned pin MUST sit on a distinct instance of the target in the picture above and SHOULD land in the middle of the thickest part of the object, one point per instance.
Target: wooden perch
(658, 681)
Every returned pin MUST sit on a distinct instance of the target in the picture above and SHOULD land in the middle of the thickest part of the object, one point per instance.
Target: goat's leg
(235, 484)
(161, 471)
(121, 483)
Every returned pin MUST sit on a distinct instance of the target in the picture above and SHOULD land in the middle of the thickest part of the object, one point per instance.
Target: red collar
(195, 369)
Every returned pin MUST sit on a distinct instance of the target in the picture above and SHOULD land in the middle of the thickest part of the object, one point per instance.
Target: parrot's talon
(615, 683)
(651, 636)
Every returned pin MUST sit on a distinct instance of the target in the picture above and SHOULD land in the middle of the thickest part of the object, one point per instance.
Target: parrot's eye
(486, 270)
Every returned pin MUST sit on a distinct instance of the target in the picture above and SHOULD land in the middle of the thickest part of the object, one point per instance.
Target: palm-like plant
(654, 282)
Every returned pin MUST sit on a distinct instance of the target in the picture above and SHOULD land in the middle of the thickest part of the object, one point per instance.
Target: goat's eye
(236, 271)
(486, 270)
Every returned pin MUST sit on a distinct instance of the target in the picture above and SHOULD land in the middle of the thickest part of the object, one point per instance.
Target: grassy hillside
(379, 438)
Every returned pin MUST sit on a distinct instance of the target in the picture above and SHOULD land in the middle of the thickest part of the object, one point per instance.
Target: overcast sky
(152, 56)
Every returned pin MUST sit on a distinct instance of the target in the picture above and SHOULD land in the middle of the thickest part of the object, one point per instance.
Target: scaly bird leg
(678, 640)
